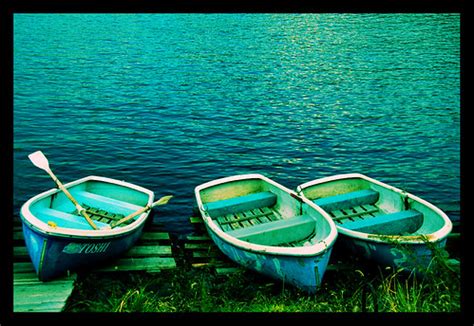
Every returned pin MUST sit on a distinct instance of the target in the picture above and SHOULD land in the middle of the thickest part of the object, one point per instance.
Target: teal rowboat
(268, 228)
(59, 239)
(380, 222)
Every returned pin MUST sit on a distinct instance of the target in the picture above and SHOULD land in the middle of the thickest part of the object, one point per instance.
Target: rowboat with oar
(82, 223)
(266, 227)
(379, 221)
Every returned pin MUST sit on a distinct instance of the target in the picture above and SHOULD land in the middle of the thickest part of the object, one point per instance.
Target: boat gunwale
(316, 249)
(41, 227)
(437, 236)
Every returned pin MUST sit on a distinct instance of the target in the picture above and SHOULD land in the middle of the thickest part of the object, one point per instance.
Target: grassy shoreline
(360, 288)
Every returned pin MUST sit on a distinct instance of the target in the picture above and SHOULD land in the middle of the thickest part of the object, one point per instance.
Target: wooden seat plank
(96, 200)
(347, 200)
(271, 233)
(240, 204)
(391, 224)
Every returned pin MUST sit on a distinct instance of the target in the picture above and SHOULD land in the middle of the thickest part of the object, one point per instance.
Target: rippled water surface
(169, 101)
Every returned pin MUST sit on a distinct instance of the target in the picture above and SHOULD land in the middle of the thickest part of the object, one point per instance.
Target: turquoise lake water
(169, 101)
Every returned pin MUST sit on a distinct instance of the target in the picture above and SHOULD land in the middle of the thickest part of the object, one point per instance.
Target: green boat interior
(358, 211)
(57, 210)
(254, 218)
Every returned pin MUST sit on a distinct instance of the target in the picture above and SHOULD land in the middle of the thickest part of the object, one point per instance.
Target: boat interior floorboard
(101, 215)
(104, 216)
(359, 212)
(247, 218)
(370, 218)
(257, 216)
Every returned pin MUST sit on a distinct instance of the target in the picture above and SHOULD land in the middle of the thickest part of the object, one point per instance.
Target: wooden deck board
(200, 237)
(196, 220)
(149, 251)
(50, 306)
(20, 253)
(32, 278)
(23, 267)
(205, 254)
(198, 246)
(147, 264)
(32, 295)
(154, 236)
(42, 292)
(18, 235)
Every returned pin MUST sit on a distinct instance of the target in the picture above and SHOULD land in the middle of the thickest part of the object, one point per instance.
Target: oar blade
(39, 160)
(163, 200)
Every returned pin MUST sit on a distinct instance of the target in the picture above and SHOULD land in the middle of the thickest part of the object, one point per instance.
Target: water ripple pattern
(169, 101)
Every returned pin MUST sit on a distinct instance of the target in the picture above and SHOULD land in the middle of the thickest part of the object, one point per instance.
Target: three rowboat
(379, 221)
(255, 221)
(268, 228)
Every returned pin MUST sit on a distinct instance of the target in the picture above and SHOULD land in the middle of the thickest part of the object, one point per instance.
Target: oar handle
(161, 201)
(79, 208)
(129, 217)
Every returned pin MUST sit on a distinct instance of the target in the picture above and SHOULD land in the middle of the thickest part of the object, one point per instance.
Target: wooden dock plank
(154, 236)
(32, 278)
(50, 306)
(18, 235)
(148, 264)
(42, 292)
(23, 267)
(149, 251)
(20, 253)
(32, 295)
(201, 237)
(198, 245)
(196, 220)
(206, 254)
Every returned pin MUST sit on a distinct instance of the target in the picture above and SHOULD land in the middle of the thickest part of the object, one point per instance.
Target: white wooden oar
(162, 201)
(41, 161)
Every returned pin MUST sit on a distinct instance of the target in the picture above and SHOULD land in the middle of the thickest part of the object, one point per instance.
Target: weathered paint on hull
(305, 273)
(410, 257)
(53, 256)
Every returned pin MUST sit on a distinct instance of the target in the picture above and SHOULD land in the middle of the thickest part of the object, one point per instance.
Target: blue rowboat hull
(54, 256)
(268, 228)
(380, 222)
(59, 239)
(409, 257)
(304, 272)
